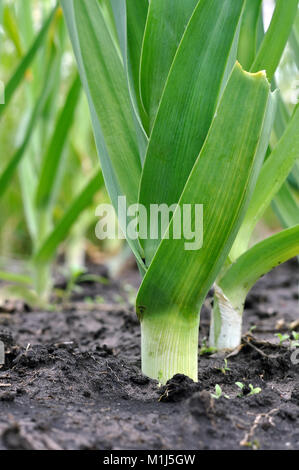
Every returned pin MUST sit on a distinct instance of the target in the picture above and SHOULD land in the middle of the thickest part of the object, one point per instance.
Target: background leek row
(44, 151)
(177, 120)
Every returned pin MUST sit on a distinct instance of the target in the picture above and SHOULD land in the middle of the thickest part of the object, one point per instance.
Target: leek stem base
(169, 346)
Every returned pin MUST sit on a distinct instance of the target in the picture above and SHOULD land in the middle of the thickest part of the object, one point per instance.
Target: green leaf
(188, 105)
(51, 161)
(166, 22)
(16, 278)
(272, 176)
(276, 37)
(18, 75)
(11, 29)
(294, 44)
(257, 261)
(8, 173)
(222, 180)
(48, 248)
(128, 38)
(286, 207)
(136, 20)
(248, 33)
(120, 161)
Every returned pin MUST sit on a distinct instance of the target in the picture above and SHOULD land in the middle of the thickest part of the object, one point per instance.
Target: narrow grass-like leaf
(18, 75)
(188, 105)
(276, 37)
(53, 155)
(48, 248)
(165, 26)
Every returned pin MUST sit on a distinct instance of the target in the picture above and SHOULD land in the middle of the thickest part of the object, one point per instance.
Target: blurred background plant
(50, 179)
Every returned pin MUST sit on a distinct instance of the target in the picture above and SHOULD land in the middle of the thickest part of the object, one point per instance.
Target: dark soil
(72, 378)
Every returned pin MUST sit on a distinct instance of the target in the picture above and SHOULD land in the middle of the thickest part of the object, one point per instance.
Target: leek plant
(177, 120)
(43, 150)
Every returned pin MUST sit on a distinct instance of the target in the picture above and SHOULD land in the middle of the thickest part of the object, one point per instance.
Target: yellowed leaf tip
(260, 74)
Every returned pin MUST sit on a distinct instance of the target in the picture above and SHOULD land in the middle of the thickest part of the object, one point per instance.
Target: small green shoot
(282, 338)
(252, 328)
(253, 390)
(205, 349)
(225, 368)
(219, 393)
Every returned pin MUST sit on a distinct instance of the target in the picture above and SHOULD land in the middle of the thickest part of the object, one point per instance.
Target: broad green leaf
(248, 33)
(286, 207)
(165, 26)
(222, 180)
(126, 37)
(111, 99)
(116, 145)
(18, 75)
(257, 261)
(276, 37)
(51, 161)
(188, 105)
(272, 176)
(48, 248)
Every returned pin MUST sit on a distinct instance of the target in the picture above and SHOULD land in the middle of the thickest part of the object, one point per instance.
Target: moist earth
(72, 379)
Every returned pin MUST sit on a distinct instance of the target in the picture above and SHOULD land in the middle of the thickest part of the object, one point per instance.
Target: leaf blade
(157, 54)
(195, 103)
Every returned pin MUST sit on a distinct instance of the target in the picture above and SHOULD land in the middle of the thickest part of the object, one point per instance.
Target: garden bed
(72, 378)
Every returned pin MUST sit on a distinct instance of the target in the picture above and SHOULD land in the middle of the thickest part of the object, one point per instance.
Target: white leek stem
(169, 346)
(226, 322)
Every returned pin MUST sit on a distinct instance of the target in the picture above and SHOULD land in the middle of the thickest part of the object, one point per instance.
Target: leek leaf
(119, 156)
(54, 152)
(276, 37)
(222, 180)
(259, 260)
(47, 250)
(286, 207)
(272, 176)
(18, 75)
(188, 105)
(248, 33)
(166, 22)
